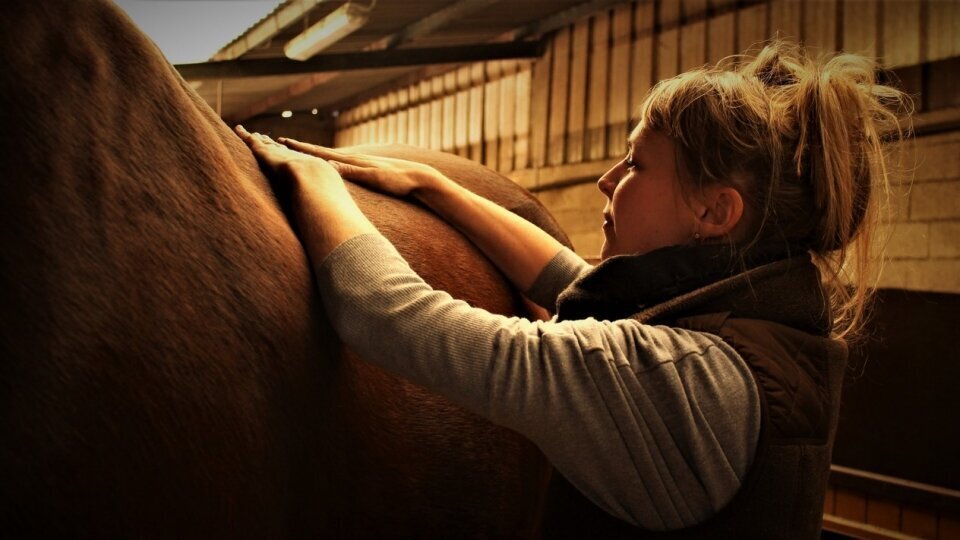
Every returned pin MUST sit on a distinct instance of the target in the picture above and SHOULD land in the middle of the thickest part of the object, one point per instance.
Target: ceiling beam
(234, 69)
(420, 28)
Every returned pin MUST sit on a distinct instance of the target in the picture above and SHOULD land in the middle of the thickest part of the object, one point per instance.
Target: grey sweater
(656, 425)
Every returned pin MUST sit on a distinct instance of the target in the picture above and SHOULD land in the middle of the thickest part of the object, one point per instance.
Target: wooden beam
(235, 69)
(896, 489)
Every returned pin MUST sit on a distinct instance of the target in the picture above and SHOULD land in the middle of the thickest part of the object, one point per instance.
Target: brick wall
(923, 249)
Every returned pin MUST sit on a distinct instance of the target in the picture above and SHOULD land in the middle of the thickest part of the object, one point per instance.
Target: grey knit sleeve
(560, 272)
(655, 425)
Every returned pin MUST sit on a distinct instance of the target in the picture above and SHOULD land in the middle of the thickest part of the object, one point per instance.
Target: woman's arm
(519, 248)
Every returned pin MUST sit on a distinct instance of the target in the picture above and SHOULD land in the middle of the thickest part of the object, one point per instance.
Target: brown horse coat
(165, 365)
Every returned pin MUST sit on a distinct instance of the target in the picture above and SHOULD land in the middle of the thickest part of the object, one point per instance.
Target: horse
(167, 368)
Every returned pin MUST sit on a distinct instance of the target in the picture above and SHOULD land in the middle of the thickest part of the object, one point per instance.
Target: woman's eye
(630, 163)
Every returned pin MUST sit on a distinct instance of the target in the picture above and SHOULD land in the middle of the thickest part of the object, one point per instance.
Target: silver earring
(696, 237)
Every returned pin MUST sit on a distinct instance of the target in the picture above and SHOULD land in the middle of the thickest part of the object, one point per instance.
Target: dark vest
(775, 315)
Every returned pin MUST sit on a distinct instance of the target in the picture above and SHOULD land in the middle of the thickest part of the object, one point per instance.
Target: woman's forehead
(641, 138)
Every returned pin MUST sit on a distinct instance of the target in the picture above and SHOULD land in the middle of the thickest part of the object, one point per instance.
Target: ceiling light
(337, 25)
(286, 114)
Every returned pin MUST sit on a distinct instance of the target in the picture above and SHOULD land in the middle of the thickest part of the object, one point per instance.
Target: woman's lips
(607, 221)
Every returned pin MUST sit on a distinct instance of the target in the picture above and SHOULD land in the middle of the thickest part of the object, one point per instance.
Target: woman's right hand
(394, 176)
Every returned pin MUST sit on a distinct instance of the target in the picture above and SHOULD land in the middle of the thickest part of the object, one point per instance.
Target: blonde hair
(802, 140)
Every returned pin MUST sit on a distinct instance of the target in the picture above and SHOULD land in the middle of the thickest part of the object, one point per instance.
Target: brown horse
(165, 364)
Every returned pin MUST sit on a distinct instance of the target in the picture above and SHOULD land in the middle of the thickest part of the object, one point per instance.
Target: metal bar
(234, 69)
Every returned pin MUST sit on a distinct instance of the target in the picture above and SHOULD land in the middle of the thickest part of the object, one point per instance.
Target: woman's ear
(719, 213)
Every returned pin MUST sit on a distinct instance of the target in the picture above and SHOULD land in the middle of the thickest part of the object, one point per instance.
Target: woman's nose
(609, 180)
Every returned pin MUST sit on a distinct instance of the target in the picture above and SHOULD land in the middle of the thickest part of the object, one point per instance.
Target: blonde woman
(691, 380)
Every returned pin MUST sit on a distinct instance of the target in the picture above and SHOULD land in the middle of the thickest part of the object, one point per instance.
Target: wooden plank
(918, 522)
(751, 27)
(403, 117)
(693, 45)
(382, 130)
(475, 130)
(722, 37)
(521, 158)
(668, 53)
(668, 14)
(366, 132)
(362, 111)
(642, 57)
(901, 33)
(820, 26)
(693, 9)
(392, 128)
(559, 94)
(943, 30)
(618, 105)
(449, 111)
(448, 105)
(599, 81)
(668, 40)
(828, 500)
(786, 19)
(491, 115)
(423, 125)
(942, 88)
(948, 527)
(508, 118)
(883, 513)
(426, 91)
(540, 109)
(413, 116)
(850, 505)
(436, 113)
(860, 23)
(403, 114)
(576, 113)
(461, 111)
(848, 528)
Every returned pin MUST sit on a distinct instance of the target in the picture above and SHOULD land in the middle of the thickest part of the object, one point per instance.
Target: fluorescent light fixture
(337, 25)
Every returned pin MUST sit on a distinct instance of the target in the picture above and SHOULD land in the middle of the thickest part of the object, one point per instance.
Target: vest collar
(677, 281)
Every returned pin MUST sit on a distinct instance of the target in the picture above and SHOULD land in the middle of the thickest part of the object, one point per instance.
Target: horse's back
(166, 365)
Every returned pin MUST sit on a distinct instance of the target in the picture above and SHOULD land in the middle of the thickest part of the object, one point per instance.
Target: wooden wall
(556, 124)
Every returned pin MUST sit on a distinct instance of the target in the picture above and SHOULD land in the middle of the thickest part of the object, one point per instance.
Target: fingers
(326, 153)
(242, 132)
(353, 172)
(253, 138)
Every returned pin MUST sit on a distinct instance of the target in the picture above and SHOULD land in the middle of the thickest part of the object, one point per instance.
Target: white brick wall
(923, 249)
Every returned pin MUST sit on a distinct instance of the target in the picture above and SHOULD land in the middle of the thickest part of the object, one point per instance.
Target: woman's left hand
(280, 161)
(320, 204)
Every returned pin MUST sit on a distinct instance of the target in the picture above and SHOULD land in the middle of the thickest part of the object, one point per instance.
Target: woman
(691, 380)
